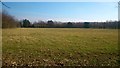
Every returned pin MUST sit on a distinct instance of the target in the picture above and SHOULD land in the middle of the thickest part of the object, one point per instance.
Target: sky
(60, 0)
(63, 11)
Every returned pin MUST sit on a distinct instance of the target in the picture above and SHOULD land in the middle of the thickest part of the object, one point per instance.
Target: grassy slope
(60, 46)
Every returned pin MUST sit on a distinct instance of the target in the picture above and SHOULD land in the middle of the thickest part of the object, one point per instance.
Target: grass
(59, 47)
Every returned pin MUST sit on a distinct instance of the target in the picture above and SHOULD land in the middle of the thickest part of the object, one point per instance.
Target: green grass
(60, 47)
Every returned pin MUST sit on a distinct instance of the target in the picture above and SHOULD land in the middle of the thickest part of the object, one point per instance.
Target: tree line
(9, 21)
(54, 24)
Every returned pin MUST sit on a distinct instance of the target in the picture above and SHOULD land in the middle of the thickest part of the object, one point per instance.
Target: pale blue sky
(64, 11)
(60, 0)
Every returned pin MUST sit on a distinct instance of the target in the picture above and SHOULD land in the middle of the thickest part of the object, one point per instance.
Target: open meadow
(59, 47)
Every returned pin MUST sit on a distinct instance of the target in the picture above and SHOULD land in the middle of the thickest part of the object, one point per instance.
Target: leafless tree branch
(4, 4)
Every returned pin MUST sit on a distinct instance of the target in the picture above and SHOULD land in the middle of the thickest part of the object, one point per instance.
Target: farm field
(59, 47)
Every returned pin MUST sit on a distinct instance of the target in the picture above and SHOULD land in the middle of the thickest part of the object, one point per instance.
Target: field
(59, 47)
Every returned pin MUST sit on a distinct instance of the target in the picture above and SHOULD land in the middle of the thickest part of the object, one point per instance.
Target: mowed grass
(59, 47)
